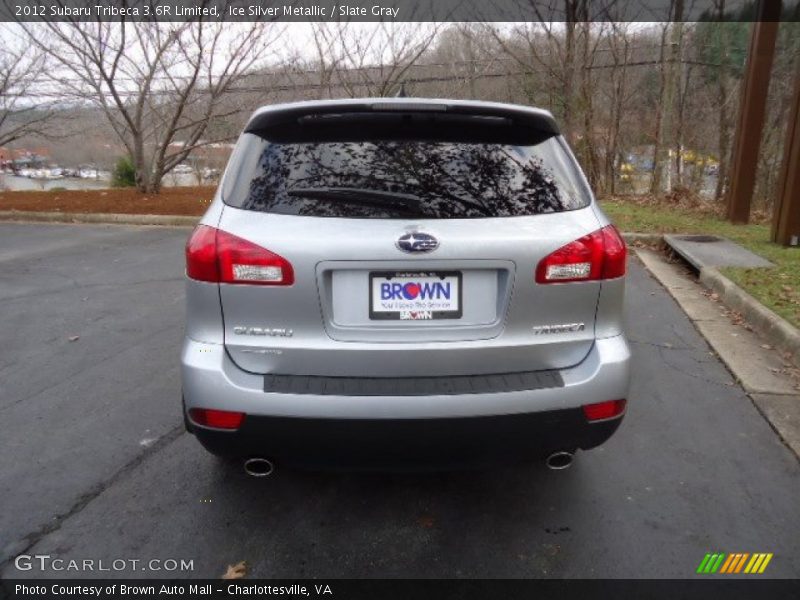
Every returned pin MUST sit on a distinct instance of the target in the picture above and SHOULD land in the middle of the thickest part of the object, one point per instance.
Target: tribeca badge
(741, 562)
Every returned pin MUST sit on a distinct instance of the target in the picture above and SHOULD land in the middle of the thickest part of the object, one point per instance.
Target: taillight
(221, 257)
(604, 410)
(598, 255)
(201, 254)
(219, 419)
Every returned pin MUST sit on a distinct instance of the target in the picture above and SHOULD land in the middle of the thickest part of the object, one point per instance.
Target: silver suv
(414, 282)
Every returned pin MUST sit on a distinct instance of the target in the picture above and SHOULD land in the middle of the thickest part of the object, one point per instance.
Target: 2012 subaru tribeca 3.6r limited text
(392, 281)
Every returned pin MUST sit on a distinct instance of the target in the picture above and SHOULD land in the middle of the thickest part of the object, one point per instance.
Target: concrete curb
(775, 330)
(781, 334)
(105, 218)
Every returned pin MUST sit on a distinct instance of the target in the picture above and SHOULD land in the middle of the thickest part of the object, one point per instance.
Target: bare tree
(670, 53)
(548, 49)
(466, 52)
(588, 44)
(724, 113)
(159, 85)
(375, 60)
(23, 111)
(328, 56)
(620, 49)
(684, 82)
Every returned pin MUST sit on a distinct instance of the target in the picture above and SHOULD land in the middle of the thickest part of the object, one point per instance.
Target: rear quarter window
(403, 178)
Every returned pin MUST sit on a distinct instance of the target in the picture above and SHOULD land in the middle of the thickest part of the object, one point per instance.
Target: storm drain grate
(700, 239)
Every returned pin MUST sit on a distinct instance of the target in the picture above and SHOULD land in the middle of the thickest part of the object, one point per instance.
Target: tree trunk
(569, 74)
(655, 180)
(618, 108)
(154, 187)
(587, 101)
(661, 163)
(148, 178)
(676, 72)
(723, 144)
(142, 181)
(724, 137)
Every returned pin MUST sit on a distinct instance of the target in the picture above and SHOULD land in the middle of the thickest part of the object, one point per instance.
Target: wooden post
(786, 215)
(751, 112)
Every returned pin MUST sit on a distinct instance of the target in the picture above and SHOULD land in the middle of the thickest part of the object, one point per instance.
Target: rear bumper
(412, 443)
(520, 421)
(212, 380)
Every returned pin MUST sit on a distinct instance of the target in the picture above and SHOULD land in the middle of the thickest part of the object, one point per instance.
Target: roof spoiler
(283, 115)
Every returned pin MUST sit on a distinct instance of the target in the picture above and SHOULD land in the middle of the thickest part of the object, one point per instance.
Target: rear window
(402, 178)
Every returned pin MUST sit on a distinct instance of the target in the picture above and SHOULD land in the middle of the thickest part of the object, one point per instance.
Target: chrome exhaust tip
(558, 461)
(259, 467)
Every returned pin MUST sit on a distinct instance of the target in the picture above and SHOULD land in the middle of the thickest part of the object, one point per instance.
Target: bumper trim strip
(412, 386)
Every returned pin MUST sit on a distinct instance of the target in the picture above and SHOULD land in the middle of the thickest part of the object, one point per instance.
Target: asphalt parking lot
(95, 463)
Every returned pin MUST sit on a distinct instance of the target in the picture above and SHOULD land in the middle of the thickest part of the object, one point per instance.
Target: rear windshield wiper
(409, 202)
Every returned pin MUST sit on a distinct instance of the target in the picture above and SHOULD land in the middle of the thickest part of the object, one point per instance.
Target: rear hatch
(413, 241)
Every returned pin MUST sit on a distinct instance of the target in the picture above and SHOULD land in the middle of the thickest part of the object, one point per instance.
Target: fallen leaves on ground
(426, 521)
(191, 201)
(237, 571)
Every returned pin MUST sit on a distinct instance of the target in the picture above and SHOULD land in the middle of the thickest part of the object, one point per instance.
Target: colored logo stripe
(727, 563)
(710, 563)
(758, 563)
(734, 563)
(738, 563)
(731, 566)
(703, 563)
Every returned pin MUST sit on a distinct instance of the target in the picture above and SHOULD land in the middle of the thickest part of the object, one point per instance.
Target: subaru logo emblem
(417, 242)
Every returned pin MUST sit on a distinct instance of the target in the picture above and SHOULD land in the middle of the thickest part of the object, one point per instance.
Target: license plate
(415, 296)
